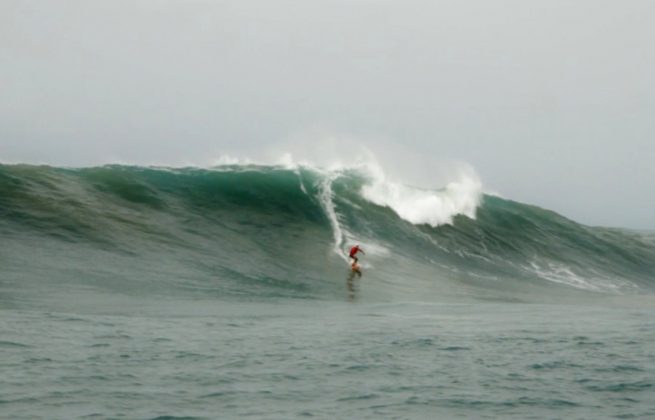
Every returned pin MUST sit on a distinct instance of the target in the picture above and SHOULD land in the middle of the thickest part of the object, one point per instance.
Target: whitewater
(224, 292)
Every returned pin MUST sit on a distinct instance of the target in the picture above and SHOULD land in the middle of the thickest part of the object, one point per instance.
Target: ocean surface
(171, 293)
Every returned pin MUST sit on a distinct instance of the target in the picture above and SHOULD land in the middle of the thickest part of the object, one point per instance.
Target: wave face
(252, 232)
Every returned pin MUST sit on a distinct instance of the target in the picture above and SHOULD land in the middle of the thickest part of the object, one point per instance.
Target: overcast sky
(552, 102)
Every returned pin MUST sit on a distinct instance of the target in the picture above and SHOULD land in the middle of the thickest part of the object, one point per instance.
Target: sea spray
(423, 206)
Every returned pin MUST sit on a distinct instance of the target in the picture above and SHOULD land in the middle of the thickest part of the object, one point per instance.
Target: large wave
(267, 231)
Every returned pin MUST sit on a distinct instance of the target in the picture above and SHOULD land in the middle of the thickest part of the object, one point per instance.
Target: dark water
(131, 292)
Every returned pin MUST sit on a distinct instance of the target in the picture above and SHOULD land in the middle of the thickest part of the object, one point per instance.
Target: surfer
(355, 271)
(353, 257)
(353, 254)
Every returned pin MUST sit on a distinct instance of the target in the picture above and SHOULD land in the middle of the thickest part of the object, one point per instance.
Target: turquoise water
(147, 293)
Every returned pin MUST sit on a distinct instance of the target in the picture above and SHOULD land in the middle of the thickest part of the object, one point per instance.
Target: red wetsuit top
(354, 250)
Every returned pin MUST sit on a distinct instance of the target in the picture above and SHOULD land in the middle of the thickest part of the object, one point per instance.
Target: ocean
(190, 293)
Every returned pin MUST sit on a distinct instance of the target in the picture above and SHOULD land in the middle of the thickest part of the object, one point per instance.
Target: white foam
(560, 273)
(302, 186)
(326, 199)
(226, 160)
(425, 206)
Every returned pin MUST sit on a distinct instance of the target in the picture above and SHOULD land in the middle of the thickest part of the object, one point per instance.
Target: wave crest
(421, 206)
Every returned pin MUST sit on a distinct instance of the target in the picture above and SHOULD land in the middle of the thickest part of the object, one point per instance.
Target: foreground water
(330, 360)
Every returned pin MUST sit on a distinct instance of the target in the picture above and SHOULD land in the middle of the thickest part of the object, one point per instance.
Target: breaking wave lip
(432, 207)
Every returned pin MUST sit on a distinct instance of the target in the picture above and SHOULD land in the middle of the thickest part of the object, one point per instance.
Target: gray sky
(552, 102)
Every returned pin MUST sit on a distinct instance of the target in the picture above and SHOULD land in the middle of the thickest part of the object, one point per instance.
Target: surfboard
(356, 269)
